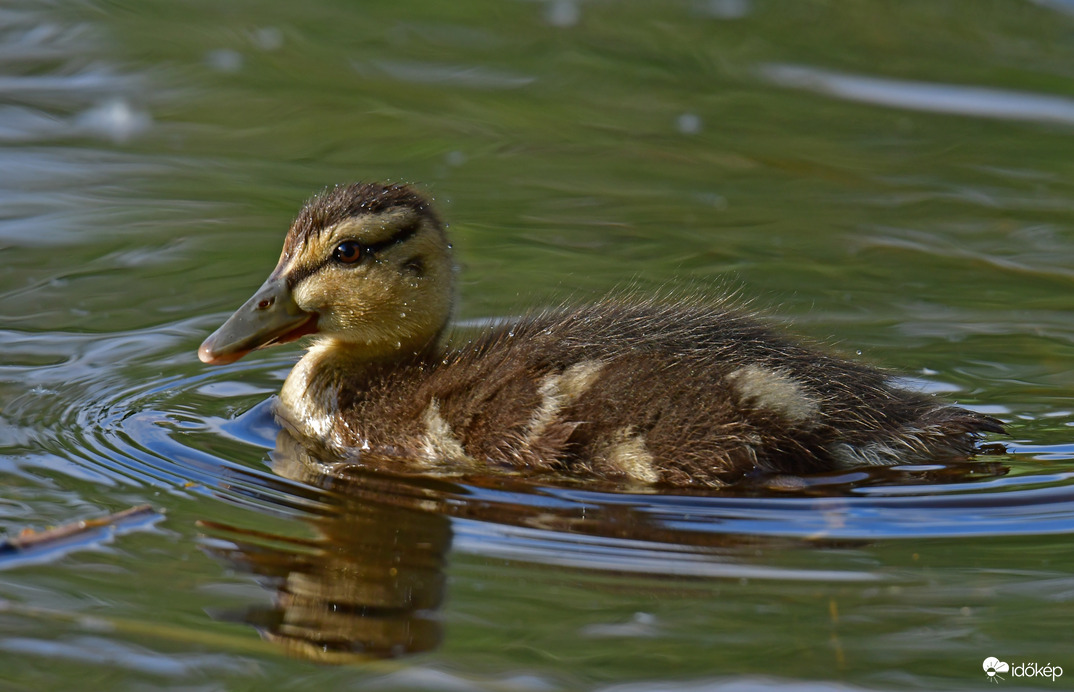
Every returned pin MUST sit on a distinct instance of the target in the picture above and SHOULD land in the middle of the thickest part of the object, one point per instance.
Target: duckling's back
(648, 392)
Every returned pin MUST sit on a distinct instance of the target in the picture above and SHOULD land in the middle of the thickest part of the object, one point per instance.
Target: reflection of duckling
(368, 584)
(647, 392)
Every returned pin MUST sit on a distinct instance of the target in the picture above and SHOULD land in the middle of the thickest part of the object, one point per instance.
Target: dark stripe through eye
(352, 252)
(401, 236)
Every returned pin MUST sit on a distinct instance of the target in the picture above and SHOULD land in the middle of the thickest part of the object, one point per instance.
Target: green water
(894, 179)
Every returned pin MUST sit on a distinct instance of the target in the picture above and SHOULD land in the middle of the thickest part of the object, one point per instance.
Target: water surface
(893, 179)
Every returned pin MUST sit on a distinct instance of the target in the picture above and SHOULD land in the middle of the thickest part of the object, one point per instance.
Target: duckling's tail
(939, 432)
(957, 421)
(952, 431)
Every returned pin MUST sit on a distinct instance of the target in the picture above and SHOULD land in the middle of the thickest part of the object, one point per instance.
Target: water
(890, 178)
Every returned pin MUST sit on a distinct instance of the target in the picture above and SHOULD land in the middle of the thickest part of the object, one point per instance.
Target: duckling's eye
(348, 252)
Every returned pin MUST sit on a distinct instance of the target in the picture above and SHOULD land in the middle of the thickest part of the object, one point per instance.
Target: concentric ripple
(212, 432)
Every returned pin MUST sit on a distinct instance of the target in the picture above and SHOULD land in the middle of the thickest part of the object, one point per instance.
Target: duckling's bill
(270, 317)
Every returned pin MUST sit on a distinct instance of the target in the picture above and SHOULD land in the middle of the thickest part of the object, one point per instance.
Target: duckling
(641, 391)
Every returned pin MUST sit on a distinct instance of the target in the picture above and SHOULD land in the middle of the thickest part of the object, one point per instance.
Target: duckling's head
(366, 265)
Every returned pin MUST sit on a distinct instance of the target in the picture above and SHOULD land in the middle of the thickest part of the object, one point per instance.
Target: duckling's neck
(310, 397)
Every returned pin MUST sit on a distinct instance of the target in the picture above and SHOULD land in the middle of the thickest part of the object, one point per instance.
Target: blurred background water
(891, 178)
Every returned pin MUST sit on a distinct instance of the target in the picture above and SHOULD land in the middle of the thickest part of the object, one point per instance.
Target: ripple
(110, 653)
(210, 431)
(80, 409)
(472, 77)
(359, 567)
(953, 99)
(626, 556)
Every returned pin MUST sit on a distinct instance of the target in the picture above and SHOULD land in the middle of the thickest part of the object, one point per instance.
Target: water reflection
(368, 585)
